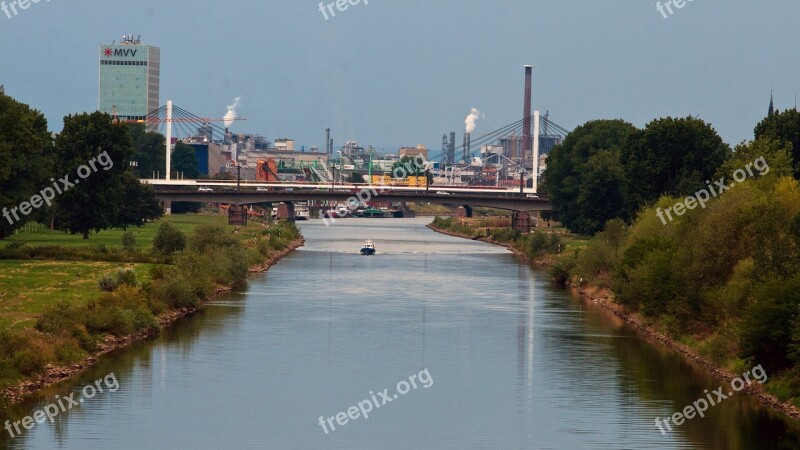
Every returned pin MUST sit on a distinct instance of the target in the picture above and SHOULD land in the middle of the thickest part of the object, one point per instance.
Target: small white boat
(368, 248)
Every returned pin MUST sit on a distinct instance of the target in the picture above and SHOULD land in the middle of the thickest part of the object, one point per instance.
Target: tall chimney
(327, 140)
(526, 116)
(469, 145)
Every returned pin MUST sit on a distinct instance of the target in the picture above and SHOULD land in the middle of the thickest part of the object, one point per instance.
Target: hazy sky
(402, 72)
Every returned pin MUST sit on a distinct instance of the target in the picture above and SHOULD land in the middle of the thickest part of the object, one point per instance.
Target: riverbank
(55, 373)
(603, 298)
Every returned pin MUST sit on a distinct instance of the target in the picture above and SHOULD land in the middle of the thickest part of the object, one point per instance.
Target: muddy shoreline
(56, 374)
(603, 299)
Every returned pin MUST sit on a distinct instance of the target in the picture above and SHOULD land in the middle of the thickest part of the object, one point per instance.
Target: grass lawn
(28, 287)
(41, 236)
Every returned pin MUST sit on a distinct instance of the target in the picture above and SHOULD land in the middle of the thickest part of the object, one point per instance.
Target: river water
(479, 350)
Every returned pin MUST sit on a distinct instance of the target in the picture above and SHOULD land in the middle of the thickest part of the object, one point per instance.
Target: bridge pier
(464, 211)
(237, 215)
(285, 211)
(167, 205)
(521, 220)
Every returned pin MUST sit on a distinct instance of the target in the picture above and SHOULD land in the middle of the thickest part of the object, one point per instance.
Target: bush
(562, 268)
(175, 292)
(126, 277)
(168, 239)
(211, 237)
(107, 284)
(505, 234)
(129, 241)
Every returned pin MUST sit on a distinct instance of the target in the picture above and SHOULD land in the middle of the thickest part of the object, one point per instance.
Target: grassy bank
(57, 313)
(540, 246)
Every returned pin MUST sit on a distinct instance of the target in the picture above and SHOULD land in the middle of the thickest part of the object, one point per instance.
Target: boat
(368, 248)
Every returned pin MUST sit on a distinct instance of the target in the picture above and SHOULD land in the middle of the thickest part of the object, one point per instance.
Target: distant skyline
(401, 73)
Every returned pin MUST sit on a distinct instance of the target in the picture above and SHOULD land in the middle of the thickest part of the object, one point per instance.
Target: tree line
(724, 278)
(608, 169)
(31, 159)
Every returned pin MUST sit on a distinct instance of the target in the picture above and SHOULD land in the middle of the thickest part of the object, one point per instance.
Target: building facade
(129, 78)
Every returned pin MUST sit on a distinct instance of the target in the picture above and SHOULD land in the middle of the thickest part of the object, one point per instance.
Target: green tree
(783, 126)
(168, 239)
(670, 156)
(26, 163)
(584, 176)
(184, 160)
(776, 163)
(138, 204)
(150, 151)
(93, 202)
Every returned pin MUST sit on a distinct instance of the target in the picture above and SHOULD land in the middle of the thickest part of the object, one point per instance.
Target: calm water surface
(514, 362)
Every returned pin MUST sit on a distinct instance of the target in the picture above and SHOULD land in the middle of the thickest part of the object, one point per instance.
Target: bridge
(520, 204)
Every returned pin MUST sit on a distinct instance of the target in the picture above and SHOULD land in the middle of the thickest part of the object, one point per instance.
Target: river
(474, 349)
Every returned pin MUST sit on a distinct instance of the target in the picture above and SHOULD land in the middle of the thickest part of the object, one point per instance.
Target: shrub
(107, 284)
(168, 239)
(562, 268)
(126, 277)
(129, 241)
(175, 292)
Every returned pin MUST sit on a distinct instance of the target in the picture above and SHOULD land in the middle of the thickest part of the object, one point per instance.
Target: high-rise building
(129, 78)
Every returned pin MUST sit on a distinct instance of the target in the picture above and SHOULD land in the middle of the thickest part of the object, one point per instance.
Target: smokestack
(526, 116)
(327, 140)
(330, 146)
(469, 144)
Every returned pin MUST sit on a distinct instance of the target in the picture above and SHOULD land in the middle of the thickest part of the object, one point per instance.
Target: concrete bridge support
(286, 211)
(237, 215)
(464, 211)
(521, 220)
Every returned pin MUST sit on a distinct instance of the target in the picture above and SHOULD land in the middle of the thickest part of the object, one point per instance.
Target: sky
(394, 73)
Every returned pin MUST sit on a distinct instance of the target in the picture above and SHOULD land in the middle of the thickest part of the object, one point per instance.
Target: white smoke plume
(231, 115)
(473, 116)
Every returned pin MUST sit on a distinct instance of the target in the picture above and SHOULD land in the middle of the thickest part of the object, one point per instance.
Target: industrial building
(129, 78)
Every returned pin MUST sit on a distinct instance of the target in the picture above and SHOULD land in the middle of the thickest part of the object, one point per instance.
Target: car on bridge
(205, 189)
(532, 196)
(442, 193)
(262, 189)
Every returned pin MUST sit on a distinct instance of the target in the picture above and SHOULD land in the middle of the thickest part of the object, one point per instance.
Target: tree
(25, 159)
(776, 163)
(783, 126)
(583, 192)
(150, 151)
(184, 161)
(138, 204)
(168, 239)
(670, 157)
(94, 201)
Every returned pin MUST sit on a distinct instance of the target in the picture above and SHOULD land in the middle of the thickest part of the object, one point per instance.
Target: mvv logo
(124, 52)
(119, 52)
